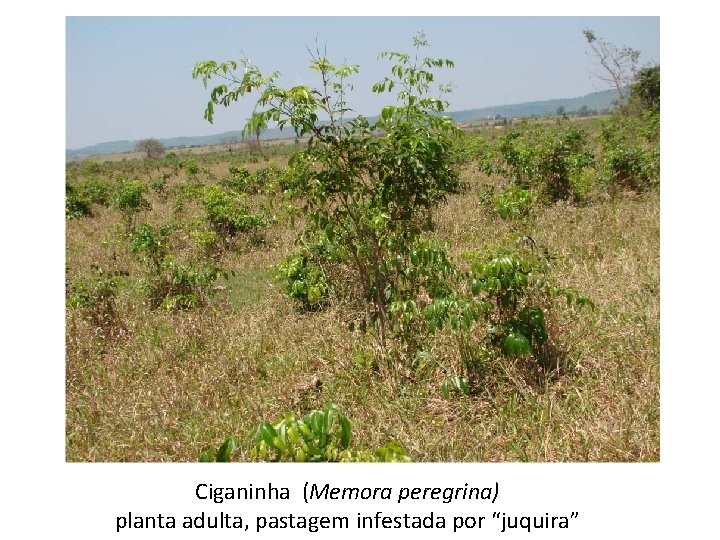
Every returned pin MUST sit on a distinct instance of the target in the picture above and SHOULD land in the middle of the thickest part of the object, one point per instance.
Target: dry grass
(165, 385)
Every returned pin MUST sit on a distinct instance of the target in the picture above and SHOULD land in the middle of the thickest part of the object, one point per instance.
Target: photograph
(362, 239)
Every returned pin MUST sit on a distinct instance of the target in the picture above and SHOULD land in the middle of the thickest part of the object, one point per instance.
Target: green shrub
(630, 166)
(263, 180)
(95, 294)
(76, 204)
(168, 283)
(130, 200)
(179, 286)
(151, 245)
(518, 290)
(159, 185)
(190, 165)
(238, 180)
(650, 129)
(96, 191)
(90, 168)
(227, 215)
(304, 280)
(544, 159)
(514, 203)
(320, 436)
(204, 238)
(292, 181)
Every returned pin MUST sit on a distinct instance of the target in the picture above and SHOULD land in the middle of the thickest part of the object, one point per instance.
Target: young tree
(368, 187)
(618, 64)
(151, 147)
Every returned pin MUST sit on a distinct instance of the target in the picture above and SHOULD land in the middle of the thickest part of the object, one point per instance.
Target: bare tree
(152, 148)
(618, 64)
(229, 143)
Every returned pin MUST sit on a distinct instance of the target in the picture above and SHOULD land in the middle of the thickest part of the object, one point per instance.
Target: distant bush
(159, 185)
(630, 166)
(241, 180)
(90, 168)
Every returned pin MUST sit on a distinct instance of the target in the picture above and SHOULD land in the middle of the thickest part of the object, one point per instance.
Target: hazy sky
(130, 77)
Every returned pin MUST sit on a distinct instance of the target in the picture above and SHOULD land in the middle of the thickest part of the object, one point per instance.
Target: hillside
(594, 101)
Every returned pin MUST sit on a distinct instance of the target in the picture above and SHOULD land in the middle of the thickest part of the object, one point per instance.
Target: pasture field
(179, 332)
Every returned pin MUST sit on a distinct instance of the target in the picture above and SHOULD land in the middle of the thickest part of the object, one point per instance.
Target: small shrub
(227, 215)
(95, 294)
(631, 157)
(243, 181)
(544, 159)
(371, 187)
(238, 180)
(630, 166)
(76, 204)
(159, 185)
(179, 286)
(292, 181)
(519, 290)
(514, 203)
(168, 283)
(320, 436)
(90, 168)
(190, 165)
(304, 280)
(151, 245)
(130, 200)
(96, 191)
(204, 238)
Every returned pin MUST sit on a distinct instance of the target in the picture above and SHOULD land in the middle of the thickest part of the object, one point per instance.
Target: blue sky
(130, 77)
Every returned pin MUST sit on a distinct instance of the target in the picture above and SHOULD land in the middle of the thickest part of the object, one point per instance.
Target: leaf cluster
(322, 435)
(225, 212)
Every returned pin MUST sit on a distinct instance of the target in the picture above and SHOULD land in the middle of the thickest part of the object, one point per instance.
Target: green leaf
(346, 431)
(225, 451)
(208, 456)
(266, 433)
(516, 344)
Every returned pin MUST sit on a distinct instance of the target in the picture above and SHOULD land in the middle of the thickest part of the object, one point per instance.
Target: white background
(44, 497)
